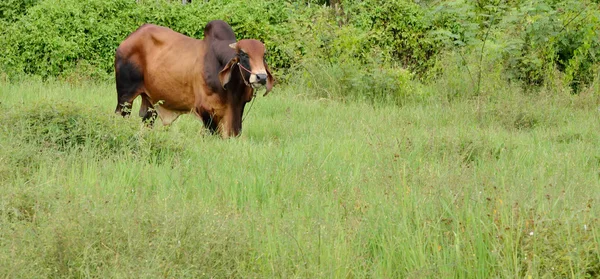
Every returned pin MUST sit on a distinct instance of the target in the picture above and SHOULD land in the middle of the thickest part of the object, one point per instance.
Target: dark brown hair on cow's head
(251, 63)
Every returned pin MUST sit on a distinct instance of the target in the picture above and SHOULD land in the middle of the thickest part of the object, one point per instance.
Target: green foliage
(456, 24)
(56, 35)
(358, 82)
(538, 38)
(342, 60)
(398, 28)
(370, 46)
(69, 128)
(11, 10)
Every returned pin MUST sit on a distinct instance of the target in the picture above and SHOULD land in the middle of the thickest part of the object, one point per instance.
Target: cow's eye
(243, 55)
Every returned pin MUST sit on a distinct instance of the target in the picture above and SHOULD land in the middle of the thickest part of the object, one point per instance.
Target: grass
(500, 186)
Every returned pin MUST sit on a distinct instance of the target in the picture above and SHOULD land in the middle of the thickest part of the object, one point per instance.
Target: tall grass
(500, 185)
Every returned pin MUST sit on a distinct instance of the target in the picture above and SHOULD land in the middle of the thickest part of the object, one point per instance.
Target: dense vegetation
(429, 139)
(371, 48)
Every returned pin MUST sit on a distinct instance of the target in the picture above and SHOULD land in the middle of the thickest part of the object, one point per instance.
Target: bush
(534, 43)
(11, 10)
(538, 38)
(354, 81)
(56, 35)
(72, 127)
(91, 30)
(396, 30)
(52, 37)
(369, 47)
(550, 36)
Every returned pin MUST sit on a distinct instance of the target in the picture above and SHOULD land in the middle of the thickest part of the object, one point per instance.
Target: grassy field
(501, 186)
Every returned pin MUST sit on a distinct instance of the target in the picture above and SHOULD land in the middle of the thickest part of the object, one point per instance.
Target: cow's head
(250, 63)
(246, 72)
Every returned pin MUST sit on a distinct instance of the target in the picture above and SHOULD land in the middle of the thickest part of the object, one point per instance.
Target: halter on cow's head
(251, 64)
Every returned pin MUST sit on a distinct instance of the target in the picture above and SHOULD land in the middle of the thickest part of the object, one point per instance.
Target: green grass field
(501, 186)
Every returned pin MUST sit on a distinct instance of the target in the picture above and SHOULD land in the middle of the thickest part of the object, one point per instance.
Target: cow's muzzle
(258, 80)
(261, 78)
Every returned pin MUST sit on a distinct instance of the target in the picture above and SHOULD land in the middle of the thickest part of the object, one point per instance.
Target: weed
(311, 188)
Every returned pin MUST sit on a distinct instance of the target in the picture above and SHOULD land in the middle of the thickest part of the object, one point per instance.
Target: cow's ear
(270, 80)
(225, 74)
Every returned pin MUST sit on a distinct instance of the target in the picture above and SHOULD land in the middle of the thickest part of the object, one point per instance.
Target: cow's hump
(219, 30)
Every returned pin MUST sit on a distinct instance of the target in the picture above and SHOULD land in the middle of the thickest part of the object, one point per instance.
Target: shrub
(52, 37)
(91, 30)
(537, 38)
(548, 36)
(71, 127)
(55, 35)
(350, 80)
(397, 29)
(549, 42)
(11, 10)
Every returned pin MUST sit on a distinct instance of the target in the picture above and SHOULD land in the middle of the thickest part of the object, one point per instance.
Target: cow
(174, 74)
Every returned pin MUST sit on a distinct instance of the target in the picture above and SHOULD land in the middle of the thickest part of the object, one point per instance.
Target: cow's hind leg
(130, 83)
(147, 111)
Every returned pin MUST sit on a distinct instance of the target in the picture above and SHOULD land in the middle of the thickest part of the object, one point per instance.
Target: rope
(249, 108)
(247, 84)
(241, 74)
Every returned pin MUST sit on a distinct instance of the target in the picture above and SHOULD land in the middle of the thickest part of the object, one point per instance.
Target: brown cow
(213, 78)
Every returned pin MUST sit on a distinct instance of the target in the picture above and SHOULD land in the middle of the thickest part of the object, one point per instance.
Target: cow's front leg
(231, 126)
(210, 121)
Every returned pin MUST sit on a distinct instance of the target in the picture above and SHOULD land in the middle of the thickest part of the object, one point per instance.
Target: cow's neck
(237, 82)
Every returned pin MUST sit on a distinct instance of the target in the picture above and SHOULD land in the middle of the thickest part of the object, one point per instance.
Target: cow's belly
(167, 116)
(170, 101)
(171, 96)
